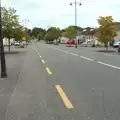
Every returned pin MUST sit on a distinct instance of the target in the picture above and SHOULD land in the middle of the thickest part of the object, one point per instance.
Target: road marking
(60, 50)
(40, 56)
(87, 58)
(63, 96)
(54, 48)
(108, 65)
(43, 61)
(36, 50)
(49, 71)
(74, 54)
(66, 52)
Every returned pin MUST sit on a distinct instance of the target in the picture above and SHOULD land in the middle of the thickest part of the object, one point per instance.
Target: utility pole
(2, 54)
(76, 3)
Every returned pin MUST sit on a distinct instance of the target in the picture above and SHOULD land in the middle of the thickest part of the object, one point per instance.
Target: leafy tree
(10, 20)
(17, 33)
(38, 33)
(70, 32)
(29, 31)
(52, 33)
(77, 28)
(107, 30)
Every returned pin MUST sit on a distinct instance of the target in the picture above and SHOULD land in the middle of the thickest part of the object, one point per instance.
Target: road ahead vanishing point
(62, 83)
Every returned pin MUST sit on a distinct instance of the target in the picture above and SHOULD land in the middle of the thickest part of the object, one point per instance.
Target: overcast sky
(45, 13)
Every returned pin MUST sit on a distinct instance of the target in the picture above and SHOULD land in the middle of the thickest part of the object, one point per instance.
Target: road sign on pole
(24, 38)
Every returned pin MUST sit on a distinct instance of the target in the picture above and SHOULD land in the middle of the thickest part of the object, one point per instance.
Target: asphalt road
(62, 83)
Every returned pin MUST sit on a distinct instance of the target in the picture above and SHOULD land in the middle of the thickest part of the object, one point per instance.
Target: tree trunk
(107, 48)
(9, 45)
(106, 45)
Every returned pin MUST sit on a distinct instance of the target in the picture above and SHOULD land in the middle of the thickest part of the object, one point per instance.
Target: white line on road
(60, 50)
(108, 65)
(66, 52)
(54, 48)
(74, 54)
(87, 58)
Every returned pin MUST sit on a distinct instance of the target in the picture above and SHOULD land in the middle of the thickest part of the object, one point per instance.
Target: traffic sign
(24, 38)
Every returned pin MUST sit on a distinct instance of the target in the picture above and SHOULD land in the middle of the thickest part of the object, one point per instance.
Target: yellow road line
(65, 99)
(43, 61)
(40, 56)
(48, 70)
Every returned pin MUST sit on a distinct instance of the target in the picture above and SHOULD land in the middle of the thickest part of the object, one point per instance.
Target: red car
(70, 42)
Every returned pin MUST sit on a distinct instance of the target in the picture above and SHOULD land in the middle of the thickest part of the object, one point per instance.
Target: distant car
(17, 44)
(71, 42)
(22, 44)
(116, 44)
(49, 42)
(55, 42)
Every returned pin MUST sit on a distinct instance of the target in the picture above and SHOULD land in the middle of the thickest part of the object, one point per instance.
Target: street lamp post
(76, 3)
(25, 21)
(2, 54)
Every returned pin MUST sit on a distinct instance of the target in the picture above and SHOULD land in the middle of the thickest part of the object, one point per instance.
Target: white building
(6, 41)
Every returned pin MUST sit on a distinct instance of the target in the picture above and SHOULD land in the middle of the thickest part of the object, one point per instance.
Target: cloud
(59, 13)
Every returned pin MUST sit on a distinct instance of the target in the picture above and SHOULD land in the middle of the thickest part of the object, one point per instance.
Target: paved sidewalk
(28, 99)
(14, 63)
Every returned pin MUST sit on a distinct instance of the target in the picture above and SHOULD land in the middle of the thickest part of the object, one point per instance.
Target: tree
(70, 32)
(17, 33)
(38, 33)
(29, 31)
(10, 22)
(107, 30)
(52, 34)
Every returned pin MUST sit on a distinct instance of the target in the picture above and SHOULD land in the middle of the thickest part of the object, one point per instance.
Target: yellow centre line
(63, 96)
(48, 70)
(43, 61)
(40, 56)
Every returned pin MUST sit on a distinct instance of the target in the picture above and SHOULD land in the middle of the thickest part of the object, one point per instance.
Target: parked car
(49, 42)
(116, 44)
(55, 42)
(22, 44)
(17, 44)
(71, 42)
